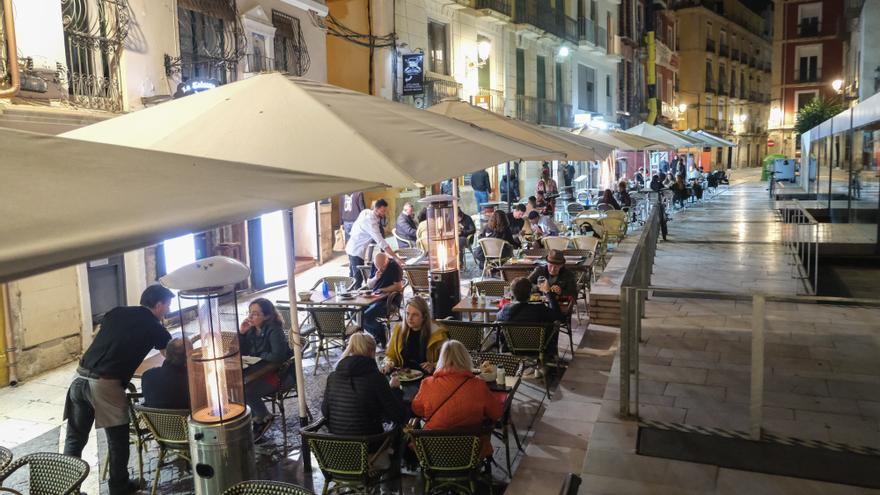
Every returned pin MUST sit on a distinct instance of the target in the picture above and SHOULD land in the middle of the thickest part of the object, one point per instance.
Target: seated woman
(260, 335)
(454, 398)
(498, 228)
(358, 398)
(622, 196)
(680, 191)
(416, 342)
(608, 199)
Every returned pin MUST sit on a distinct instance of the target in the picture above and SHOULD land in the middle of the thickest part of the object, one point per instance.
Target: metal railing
(802, 243)
(602, 37)
(500, 6)
(723, 50)
(810, 28)
(710, 45)
(543, 111)
(587, 30)
(496, 99)
(258, 63)
(436, 90)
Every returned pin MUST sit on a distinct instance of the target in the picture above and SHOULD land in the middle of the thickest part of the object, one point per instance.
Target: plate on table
(409, 375)
(536, 298)
(346, 295)
(249, 361)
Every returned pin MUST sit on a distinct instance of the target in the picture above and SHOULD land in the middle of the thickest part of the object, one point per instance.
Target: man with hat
(558, 279)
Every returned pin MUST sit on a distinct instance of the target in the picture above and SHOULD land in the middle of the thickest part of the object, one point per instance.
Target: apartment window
(93, 41)
(291, 54)
(594, 8)
(722, 77)
(802, 98)
(609, 103)
(710, 87)
(670, 94)
(203, 42)
(809, 19)
(586, 88)
(541, 74)
(438, 52)
(809, 63)
(520, 72)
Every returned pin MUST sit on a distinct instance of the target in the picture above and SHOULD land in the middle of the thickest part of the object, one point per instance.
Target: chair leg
(318, 355)
(515, 435)
(158, 470)
(506, 439)
(280, 398)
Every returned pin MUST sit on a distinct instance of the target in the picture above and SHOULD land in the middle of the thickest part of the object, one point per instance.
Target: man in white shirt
(365, 231)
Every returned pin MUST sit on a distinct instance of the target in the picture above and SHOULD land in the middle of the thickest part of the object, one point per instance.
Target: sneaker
(260, 428)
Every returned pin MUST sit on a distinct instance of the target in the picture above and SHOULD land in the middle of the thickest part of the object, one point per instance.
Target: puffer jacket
(444, 407)
(358, 399)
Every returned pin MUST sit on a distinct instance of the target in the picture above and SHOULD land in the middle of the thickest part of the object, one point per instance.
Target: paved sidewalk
(695, 357)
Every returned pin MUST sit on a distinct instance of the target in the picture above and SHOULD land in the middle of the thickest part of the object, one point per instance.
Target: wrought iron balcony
(710, 123)
(710, 85)
(809, 27)
(734, 54)
(496, 99)
(587, 30)
(436, 90)
(500, 6)
(710, 45)
(543, 111)
(257, 63)
(602, 38)
(723, 50)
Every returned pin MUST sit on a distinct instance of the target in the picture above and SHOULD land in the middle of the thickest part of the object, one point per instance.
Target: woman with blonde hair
(358, 398)
(454, 398)
(415, 342)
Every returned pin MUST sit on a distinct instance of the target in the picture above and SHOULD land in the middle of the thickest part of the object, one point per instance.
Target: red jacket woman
(454, 398)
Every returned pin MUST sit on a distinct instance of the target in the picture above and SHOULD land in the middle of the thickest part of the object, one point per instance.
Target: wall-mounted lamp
(563, 51)
(484, 49)
(682, 107)
(743, 118)
(837, 85)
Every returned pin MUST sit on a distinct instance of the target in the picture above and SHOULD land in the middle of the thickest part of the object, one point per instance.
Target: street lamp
(682, 107)
(563, 51)
(444, 281)
(742, 118)
(837, 84)
(484, 49)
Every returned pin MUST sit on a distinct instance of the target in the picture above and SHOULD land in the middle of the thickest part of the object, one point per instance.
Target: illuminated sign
(193, 86)
(413, 74)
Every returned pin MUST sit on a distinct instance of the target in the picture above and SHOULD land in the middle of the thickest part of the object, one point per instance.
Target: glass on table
(340, 288)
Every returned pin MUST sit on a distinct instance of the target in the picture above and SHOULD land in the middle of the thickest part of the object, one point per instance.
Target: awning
(663, 135)
(599, 146)
(711, 139)
(67, 201)
(621, 140)
(297, 124)
(515, 129)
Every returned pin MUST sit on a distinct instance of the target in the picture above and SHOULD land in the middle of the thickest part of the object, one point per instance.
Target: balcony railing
(753, 96)
(496, 99)
(710, 85)
(571, 29)
(543, 111)
(602, 38)
(710, 45)
(809, 27)
(805, 76)
(722, 89)
(723, 50)
(587, 30)
(500, 6)
(436, 90)
(256, 63)
(734, 54)
(710, 123)
(752, 62)
(540, 15)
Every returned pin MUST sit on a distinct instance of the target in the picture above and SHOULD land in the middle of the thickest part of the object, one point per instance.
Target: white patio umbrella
(67, 201)
(296, 124)
(663, 135)
(516, 129)
(621, 140)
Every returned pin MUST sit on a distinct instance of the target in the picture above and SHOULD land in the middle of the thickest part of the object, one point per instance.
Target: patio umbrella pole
(507, 178)
(294, 331)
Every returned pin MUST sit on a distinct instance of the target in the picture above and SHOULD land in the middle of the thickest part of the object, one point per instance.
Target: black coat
(166, 387)
(358, 399)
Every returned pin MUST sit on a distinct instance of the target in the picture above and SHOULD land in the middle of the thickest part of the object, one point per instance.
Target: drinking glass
(340, 288)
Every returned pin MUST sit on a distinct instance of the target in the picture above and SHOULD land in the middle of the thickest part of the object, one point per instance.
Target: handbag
(339, 242)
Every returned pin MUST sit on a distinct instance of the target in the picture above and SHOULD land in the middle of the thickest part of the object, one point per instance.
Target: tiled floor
(821, 374)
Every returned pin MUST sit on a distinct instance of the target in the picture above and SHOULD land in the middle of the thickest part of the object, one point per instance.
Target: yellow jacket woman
(416, 342)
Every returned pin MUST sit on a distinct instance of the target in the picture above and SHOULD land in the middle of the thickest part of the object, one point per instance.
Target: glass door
(266, 245)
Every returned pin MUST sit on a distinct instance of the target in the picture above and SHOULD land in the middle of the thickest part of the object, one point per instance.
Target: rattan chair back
(50, 473)
(265, 487)
(492, 287)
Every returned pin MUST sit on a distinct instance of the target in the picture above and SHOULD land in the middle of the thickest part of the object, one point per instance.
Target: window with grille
(438, 53)
(291, 53)
(211, 40)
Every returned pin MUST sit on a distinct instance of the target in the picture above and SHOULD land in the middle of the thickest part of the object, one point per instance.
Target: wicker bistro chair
(493, 250)
(409, 252)
(276, 400)
(586, 242)
(535, 252)
(584, 278)
(418, 279)
(472, 334)
(5, 458)
(365, 273)
(49, 473)
(332, 280)
(265, 487)
(529, 341)
(492, 287)
(615, 229)
(332, 326)
(510, 273)
(346, 461)
(392, 316)
(555, 242)
(170, 431)
(450, 459)
(401, 242)
(514, 367)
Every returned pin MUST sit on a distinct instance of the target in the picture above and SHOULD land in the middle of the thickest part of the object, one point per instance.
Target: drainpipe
(9, 343)
(9, 28)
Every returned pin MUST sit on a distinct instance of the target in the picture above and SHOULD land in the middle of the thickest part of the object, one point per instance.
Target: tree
(814, 113)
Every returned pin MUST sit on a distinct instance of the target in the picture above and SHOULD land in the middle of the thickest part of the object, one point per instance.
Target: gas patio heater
(443, 253)
(220, 431)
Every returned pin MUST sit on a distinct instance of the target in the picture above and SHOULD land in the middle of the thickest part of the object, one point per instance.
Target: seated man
(386, 277)
(167, 386)
(521, 310)
(560, 280)
(516, 219)
(542, 205)
(541, 225)
(406, 224)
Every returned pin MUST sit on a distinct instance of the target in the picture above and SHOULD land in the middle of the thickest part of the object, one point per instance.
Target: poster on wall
(413, 74)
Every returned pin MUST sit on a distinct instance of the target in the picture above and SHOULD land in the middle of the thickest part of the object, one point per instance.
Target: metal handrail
(805, 253)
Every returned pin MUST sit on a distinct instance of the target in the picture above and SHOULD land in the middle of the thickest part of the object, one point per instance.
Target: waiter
(97, 393)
